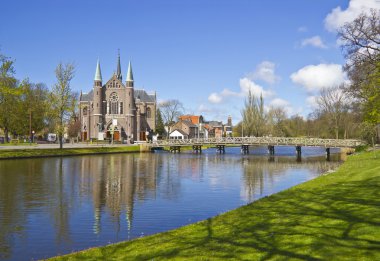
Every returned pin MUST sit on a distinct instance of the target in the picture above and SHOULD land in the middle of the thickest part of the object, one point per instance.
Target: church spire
(118, 70)
(129, 75)
(98, 72)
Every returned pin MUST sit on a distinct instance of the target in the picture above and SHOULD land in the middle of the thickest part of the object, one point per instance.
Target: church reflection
(116, 182)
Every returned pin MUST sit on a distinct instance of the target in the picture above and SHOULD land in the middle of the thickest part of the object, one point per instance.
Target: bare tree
(170, 111)
(62, 98)
(253, 116)
(276, 118)
(360, 41)
(361, 38)
(334, 104)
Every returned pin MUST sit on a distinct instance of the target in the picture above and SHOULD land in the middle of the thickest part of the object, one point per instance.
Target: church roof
(98, 72)
(129, 73)
(143, 96)
(87, 96)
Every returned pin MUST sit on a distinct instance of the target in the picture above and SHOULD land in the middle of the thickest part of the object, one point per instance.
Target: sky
(205, 53)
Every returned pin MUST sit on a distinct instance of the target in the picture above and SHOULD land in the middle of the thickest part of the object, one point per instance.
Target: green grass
(334, 217)
(30, 153)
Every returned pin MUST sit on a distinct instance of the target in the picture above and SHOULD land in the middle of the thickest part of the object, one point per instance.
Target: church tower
(97, 102)
(130, 107)
(118, 69)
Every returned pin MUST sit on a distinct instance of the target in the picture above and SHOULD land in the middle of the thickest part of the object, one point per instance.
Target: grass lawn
(334, 217)
(28, 153)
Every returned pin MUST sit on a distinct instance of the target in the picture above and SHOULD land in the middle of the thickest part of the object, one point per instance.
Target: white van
(52, 137)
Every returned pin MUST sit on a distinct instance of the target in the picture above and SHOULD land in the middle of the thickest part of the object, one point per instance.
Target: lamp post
(30, 126)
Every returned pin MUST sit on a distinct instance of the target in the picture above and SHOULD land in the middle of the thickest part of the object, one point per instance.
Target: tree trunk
(6, 135)
(60, 141)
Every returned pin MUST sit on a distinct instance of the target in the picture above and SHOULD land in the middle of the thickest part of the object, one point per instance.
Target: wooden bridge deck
(270, 141)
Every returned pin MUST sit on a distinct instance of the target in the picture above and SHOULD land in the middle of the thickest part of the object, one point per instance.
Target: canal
(53, 206)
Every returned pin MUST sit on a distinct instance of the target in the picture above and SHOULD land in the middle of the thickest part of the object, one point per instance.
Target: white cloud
(247, 85)
(314, 41)
(338, 17)
(316, 77)
(279, 103)
(215, 98)
(302, 29)
(265, 71)
(283, 104)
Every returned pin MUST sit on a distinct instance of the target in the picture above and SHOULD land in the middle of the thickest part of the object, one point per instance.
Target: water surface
(54, 206)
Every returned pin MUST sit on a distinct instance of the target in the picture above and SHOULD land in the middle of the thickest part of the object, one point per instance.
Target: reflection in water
(57, 205)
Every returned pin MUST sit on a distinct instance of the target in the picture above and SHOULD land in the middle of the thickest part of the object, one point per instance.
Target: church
(115, 110)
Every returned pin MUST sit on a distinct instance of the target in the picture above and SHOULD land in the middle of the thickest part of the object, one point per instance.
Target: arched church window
(148, 113)
(114, 103)
(85, 111)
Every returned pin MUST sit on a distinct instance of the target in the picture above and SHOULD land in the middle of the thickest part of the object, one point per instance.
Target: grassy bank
(334, 217)
(33, 153)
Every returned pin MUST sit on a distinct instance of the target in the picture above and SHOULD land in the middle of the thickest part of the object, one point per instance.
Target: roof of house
(193, 118)
(180, 131)
(189, 124)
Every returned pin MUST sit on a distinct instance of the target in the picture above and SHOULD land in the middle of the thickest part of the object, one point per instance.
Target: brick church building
(116, 109)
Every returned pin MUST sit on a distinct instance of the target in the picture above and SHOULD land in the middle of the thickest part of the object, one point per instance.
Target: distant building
(228, 127)
(187, 128)
(117, 109)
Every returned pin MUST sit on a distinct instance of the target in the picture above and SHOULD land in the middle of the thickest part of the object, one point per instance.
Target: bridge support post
(299, 152)
(197, 148)
(328, 154)
(245, 149)
(220, 149)
(271, 149)
(175, 149)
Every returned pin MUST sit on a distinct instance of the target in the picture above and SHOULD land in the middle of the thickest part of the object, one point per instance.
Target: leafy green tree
(62, 98)
(8, 94)
(31, 109)
(371, 92)
(160, 127)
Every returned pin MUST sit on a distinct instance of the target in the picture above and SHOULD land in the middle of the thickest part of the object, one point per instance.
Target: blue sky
(207, 54)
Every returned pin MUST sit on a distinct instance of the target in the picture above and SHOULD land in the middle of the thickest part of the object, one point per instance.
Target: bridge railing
(331, 143)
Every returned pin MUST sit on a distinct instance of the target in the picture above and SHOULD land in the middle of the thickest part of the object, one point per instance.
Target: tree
(333, 103)
(160, 127)
(371, 92)
(30, 111)
(253, 116)
(62, 98)
(361, 47)
(8, 94)
(170, 111)
(73, 129)
(276, 119)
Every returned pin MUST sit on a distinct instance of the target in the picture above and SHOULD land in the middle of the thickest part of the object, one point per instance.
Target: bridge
(220, 143)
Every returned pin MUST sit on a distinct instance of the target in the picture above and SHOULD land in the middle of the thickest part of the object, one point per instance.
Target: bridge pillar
(175, 149)
(245, 149)
(328, 154)
(299, 152)
(197, 148)
(220, 149)
(271, 149)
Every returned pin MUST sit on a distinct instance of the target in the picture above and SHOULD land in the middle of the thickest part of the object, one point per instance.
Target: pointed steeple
(98, 72)
(118, 70)
(129, 75)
